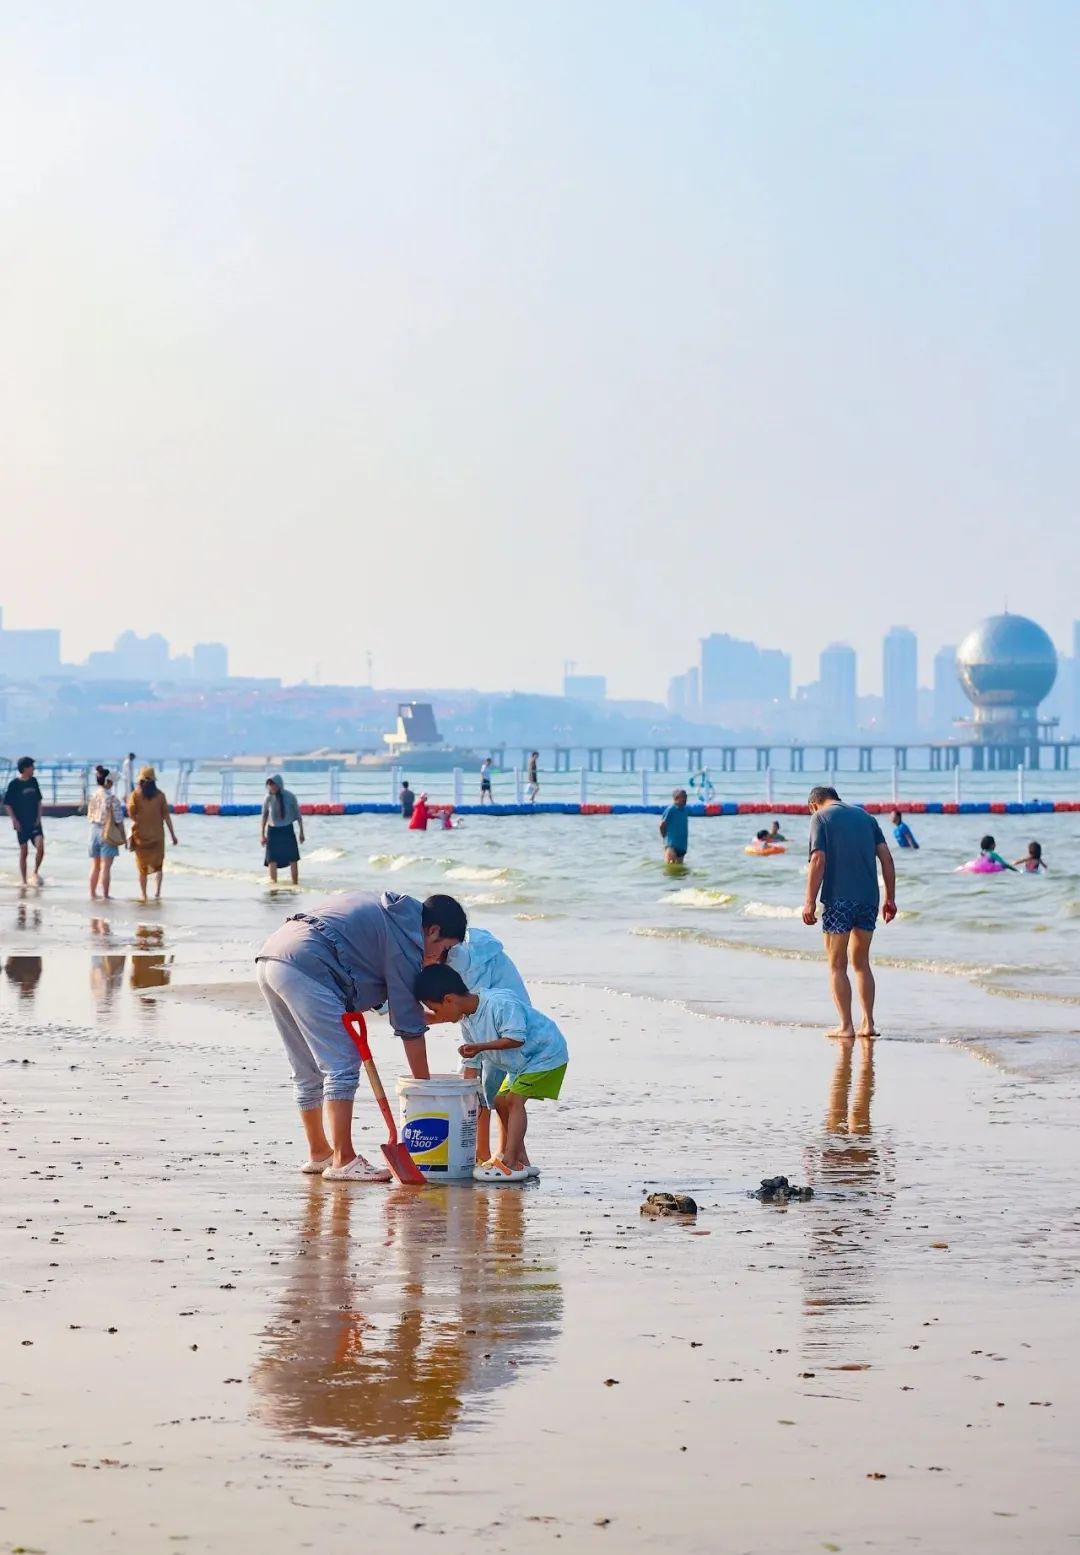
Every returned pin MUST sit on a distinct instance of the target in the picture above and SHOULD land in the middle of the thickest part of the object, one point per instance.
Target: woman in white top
(107, 836)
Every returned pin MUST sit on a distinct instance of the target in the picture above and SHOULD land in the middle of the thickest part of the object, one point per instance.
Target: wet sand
(204, 1350)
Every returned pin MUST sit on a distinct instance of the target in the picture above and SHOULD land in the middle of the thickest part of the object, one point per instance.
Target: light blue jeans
(307, 1013)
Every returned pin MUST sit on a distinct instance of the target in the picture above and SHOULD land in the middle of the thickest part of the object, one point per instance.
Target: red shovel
(397, 1155)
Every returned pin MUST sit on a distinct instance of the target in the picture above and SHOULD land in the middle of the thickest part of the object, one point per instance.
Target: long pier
(825, 756)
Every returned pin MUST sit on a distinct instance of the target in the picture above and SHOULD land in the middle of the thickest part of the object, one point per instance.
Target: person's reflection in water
(398, 1345)
(856, 1167)
(25, 973)
(28, 918)
(149, 966)
(106, 972)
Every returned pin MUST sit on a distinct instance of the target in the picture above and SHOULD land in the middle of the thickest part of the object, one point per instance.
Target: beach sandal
(316, 1168)
(358, 1170)
(498, 1171)
(532, 1173)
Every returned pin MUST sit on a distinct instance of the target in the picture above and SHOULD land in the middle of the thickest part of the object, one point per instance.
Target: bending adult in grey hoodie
(350, 952)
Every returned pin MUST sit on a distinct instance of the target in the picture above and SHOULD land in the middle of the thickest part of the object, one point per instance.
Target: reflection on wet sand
(150, 967)
(857, 1167)
(25, 972)
(398, 1341)
(106, 972)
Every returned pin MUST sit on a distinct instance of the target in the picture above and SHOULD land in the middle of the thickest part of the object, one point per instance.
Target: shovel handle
(356, 1026)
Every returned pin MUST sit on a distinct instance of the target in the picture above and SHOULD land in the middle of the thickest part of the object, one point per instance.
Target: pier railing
(66, 784)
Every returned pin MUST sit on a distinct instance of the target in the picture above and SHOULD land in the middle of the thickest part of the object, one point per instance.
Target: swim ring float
(764, 852)
(980, 866)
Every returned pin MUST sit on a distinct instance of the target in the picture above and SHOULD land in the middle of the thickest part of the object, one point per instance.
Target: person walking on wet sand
(22, 801)
(846, 846)
(150, 818)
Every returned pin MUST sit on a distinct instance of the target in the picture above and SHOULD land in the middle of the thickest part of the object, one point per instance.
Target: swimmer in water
(905, 837)
(761, 841)
(988, 850)
(1033, 861)
(775, 834)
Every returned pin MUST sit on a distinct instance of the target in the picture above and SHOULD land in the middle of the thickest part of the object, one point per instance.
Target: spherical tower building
(1007, 666)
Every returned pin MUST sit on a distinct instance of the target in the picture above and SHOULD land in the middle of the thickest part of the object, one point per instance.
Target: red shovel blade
(403, 1166)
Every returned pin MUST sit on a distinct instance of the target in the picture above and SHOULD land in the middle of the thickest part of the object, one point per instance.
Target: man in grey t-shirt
(846, 845)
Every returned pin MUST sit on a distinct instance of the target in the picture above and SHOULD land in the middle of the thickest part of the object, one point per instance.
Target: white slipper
(316, 1168)
(358, 1170)
(532, 1173)
(498, 1171)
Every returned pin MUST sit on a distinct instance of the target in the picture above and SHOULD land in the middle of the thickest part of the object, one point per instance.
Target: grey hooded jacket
(370, 946)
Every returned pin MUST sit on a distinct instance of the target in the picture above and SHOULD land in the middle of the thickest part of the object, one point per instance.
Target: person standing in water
(485, 781)
(846, 846)
(127, 777)
(106, 816)
(675, 828)
(280, 814)
(22, 801)
(406, 799)
(905, 837)
(534, 776)
(150, 819)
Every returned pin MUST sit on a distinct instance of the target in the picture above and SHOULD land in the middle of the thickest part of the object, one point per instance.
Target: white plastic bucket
(438, 1124)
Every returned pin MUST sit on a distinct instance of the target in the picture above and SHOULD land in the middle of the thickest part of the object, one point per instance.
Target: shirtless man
(846, 846)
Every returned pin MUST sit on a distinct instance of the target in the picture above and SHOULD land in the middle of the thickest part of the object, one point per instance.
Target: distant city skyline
(915, 684)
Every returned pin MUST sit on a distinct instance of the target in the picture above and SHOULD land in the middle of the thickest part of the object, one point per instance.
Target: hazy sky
(484, 335)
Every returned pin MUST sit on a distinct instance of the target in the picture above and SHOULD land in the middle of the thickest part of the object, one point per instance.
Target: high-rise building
(837, 691)
(950, 704)
(683, 697)
(900, 681)
(28, 655)
(210, 662)
(736, 671)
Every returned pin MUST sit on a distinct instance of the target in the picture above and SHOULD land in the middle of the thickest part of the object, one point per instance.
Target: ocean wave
(984, 975)
(537, 917)
(396, 861)
(324, 856)
(247, 875)
(770, 910)
(477, 872)
(492, 899)
(695, 896)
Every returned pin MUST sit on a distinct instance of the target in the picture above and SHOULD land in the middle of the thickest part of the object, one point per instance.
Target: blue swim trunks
(842, 917)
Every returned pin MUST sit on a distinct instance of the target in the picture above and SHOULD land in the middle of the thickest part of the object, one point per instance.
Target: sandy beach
(204, 1350)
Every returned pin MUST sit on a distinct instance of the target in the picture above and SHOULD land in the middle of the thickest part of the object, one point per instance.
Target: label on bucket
(428, 1140)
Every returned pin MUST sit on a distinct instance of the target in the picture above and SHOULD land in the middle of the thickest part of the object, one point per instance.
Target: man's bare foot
(866, 1031)
(841, 1031)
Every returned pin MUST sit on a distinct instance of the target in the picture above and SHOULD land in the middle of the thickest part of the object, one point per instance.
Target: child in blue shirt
(529, 1046)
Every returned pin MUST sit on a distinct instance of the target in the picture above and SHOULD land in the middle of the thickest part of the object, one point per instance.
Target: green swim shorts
(545, 1085)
